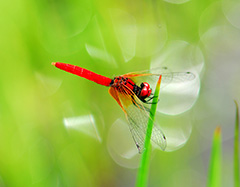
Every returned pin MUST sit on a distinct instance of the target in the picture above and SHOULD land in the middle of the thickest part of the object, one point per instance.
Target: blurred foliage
(38, 150)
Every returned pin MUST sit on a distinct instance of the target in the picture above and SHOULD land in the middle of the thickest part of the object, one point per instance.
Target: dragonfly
(134, 95)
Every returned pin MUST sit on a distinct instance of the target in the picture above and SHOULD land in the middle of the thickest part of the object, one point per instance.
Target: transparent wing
(151, 76)
(138, 118)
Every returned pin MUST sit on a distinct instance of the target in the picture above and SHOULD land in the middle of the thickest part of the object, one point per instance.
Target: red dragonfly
(132, 94)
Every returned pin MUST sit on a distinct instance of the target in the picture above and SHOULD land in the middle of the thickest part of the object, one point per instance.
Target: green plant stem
(145, 160)
(236, 151)
(215, 165)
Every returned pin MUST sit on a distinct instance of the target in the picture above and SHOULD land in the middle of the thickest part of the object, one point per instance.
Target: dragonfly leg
(149, 100)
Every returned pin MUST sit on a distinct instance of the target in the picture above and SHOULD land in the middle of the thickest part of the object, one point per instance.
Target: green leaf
(236, 152)
(215, 165)
(145, 160)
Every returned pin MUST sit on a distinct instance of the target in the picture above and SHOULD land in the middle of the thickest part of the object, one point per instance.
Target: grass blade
(215, 165)
(236, 152)
(145, 160)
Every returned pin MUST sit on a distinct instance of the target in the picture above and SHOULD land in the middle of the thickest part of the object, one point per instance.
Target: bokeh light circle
(177, 129)
(150, 39)
(179, 56)
(221, 40)
(231, 10)
(121, 146)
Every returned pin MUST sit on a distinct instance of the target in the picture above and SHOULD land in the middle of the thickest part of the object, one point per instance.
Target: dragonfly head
(145, 90)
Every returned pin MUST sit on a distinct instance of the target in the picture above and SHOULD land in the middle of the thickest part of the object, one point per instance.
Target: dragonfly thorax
(124, 84)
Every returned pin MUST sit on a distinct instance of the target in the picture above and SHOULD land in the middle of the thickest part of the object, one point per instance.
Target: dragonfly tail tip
(54, 63)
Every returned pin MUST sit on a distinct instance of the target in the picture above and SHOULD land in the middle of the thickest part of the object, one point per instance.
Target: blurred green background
(55, 128)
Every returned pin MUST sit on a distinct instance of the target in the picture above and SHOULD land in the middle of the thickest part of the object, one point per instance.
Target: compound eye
(145, 84)
(144, 92)
(149, 92)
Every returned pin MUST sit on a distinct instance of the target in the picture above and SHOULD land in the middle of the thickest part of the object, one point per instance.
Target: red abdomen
(99, 79)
